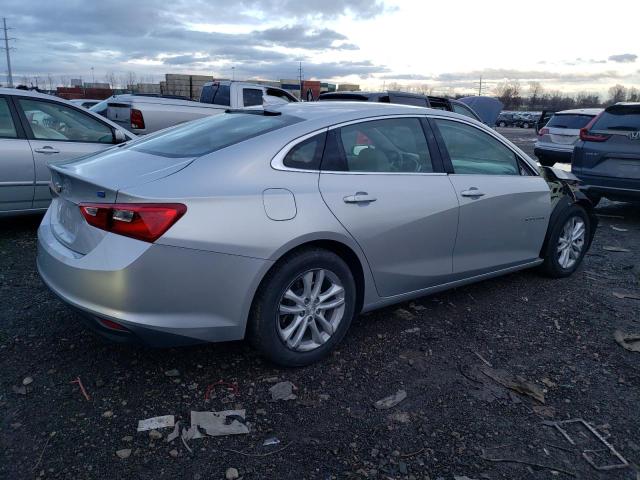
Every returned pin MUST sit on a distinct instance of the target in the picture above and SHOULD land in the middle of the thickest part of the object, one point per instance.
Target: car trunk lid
(97, 179)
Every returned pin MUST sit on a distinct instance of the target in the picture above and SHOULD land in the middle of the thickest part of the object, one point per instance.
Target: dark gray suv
(607, 156)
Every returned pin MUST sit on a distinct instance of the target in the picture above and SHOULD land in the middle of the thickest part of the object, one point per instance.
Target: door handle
(47, 149)
(472, 192)
(359, 197)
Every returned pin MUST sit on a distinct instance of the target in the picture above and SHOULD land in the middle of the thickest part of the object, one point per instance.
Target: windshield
(101, 107)
(619, 117)
(209, 134)
(569, 120)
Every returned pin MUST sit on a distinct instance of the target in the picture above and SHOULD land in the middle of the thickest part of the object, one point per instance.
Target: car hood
(487, 108)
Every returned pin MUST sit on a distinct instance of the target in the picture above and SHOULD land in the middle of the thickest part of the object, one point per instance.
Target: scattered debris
(523, 462)
(107, 414)
(172, 373)
(46, 444)
(404, 314)
(400, 417)
(458, 477)
(417, 307)
(391, 401)
(615, 249)
(27, 381)
(632, 296)
(82, 389)
(173, 453)
(549, 383)
(515, 383)
(19, 390)
(233, 387)
(228, 422)
(174, 434)
(248, 454)
(484, 360)
(231, 473)
(124, 453)
(127, 438)
(156, 423)
(587, 454)
(412, 330)
(618, 229)
(544, 411)
(155, 434)
(628, 341)
(270, 441)
(283, 391)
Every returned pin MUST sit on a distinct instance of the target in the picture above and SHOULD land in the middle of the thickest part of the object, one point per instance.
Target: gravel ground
(555, 334)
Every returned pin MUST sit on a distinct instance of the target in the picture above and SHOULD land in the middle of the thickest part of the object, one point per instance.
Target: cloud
(405, 76)
(623, 58)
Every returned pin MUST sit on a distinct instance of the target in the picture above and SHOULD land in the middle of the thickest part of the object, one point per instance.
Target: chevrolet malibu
(281, 225)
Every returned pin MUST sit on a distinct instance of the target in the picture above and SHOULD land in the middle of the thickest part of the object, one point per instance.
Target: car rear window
(209, 134)
(619, 117)
(569, 120)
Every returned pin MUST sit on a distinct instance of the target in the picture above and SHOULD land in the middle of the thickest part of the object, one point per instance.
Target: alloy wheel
(571, 242)
(310, 310)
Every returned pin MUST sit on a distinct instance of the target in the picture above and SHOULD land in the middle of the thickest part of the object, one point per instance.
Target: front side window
(251, 97)
(307, 154)
(474, 152)
(7, 128)
(54, 121)
(209, 134)
(391, 146)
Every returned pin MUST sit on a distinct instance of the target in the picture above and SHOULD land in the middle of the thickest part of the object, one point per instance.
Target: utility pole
(480, 87)
(300, 78)
(6, 48)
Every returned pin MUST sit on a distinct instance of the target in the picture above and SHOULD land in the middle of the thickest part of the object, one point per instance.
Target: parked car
(36, 129)
(85, 102)
(506, 119)
(526, 120)
(558, 137)
(403, 98)
(607, 157)
(143, 114)
(280, 225)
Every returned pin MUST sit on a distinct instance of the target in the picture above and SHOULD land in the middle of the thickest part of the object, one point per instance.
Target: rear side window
(619, 117)
(251, 97)
(306, 155)
(217, 94)
(209, 134)
(380, 146)
(474, 152)
(464, 110)
(569, 120)
(7, 128)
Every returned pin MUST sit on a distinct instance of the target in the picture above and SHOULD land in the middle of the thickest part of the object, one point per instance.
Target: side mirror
(119, 137)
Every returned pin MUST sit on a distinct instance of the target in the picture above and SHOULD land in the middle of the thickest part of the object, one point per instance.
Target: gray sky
(564, 45)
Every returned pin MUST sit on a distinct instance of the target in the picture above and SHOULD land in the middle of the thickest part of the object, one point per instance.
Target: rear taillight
(142, 221)
(543, 131)
(588, 136)
(137, 120)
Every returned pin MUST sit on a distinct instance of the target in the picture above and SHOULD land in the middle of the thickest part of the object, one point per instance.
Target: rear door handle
(359, 197)
(47, 149)
(472, 192)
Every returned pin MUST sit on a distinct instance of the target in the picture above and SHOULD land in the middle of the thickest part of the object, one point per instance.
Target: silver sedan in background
(281, 225)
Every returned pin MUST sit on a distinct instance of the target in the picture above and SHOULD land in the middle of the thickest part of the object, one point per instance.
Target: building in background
(348, 87)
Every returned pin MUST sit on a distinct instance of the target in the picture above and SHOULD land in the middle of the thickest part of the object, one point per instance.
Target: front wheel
(567, 243)
(303, 308)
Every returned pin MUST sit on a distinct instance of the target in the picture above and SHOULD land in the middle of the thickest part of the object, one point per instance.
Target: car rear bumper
(559, 156)
(623, 189)
(161, 295)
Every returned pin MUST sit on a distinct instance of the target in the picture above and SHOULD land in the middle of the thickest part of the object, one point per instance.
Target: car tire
(268, 327)
(561, 242)
(525, 125)
(502, 124)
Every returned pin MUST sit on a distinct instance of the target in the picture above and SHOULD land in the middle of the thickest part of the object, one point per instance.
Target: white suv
(558, 137)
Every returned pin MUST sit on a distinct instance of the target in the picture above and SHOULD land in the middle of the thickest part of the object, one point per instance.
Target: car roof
(581, 111)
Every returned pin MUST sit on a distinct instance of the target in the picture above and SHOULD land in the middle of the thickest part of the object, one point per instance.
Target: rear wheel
(303, 308)
(567, 242)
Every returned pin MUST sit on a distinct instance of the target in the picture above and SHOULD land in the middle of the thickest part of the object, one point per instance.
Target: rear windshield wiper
(623, 127)
(266, 113)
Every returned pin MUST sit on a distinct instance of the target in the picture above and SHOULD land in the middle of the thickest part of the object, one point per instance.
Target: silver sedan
(281, 225)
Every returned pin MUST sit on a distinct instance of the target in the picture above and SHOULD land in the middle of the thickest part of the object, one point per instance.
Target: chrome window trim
(277, 162)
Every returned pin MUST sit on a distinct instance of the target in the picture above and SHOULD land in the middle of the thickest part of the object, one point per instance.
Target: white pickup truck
(142, 114)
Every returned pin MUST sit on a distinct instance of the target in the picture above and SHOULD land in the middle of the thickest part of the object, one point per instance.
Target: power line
(6, 48)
